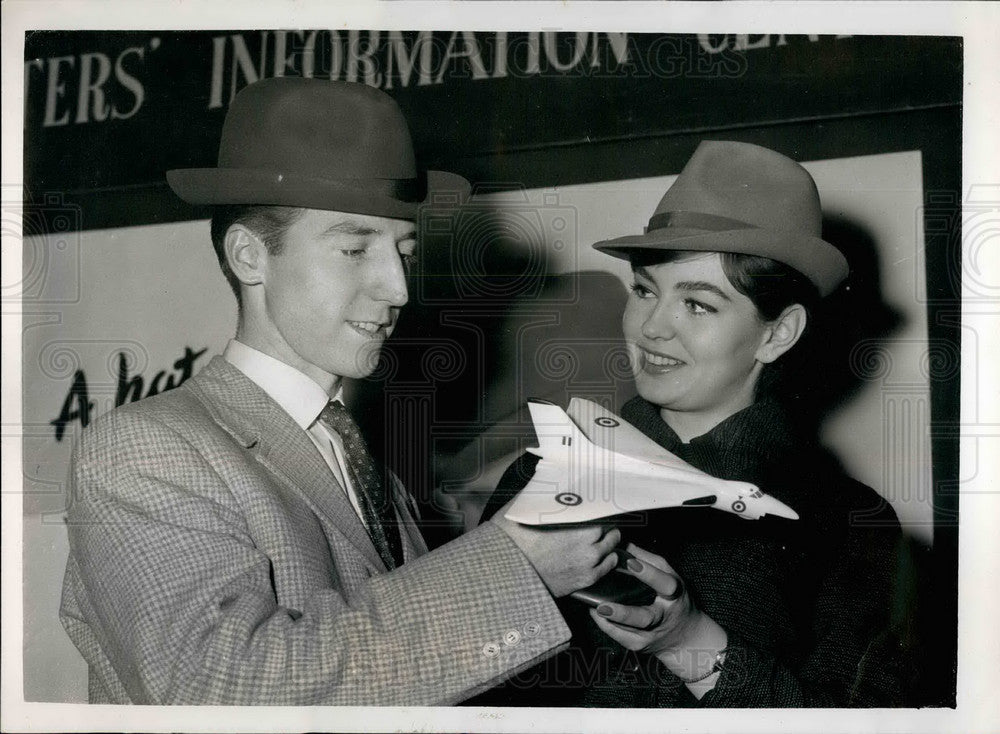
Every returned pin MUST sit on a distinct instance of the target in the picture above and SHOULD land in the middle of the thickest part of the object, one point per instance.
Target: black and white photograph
(395, 369)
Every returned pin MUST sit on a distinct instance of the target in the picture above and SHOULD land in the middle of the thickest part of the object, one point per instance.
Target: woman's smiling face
(693, 340)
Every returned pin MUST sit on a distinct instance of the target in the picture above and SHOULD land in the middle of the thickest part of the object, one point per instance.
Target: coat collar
(743, 446)
(298, 394)
(259, 424)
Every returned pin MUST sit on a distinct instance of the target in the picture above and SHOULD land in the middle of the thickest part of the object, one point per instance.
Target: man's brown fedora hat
(742, 198)
(316, 144)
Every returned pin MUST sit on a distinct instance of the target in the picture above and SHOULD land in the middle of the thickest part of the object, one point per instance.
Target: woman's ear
(782, 333)
(245, 254)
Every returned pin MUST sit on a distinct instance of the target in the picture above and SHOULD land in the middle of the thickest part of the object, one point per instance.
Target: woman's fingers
(655, 572)
(661, 625)
(651, 558)
(677, 593)
(631, 640)
(666, 584)
(640, 618)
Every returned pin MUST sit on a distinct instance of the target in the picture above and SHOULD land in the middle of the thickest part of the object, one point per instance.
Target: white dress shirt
(303, 399)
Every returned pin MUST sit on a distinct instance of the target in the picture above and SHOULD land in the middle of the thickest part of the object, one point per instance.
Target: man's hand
(566, 558)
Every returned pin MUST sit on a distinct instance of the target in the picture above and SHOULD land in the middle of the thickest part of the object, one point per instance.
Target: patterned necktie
(376, 503)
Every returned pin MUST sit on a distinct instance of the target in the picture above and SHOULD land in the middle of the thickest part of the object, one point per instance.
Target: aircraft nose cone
(770, 506)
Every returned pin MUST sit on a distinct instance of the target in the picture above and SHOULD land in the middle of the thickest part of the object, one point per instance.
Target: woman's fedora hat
(316, 144)
(741, 198)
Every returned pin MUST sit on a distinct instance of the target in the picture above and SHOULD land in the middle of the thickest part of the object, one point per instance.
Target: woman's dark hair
(772, 287)
(268, 222)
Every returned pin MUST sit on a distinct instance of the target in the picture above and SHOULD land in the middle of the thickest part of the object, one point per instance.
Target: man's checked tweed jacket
(214, 559)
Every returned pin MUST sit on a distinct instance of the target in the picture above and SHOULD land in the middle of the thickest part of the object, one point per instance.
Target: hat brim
(815, 258)
(396, 199)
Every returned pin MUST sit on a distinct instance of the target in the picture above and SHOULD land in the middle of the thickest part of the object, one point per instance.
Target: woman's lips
(658, 364)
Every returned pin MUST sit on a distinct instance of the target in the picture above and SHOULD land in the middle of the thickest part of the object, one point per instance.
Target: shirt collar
(297, 394)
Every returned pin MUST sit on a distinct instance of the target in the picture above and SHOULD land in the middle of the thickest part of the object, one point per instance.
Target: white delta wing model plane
(595, 465)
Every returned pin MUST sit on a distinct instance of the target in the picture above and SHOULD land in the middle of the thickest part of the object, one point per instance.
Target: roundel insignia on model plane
(569, 498)
(605, 422)
(739, 506)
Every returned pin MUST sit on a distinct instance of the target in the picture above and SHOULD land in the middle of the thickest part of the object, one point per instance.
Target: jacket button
(491, 649)
(531, 629)
(511, 637)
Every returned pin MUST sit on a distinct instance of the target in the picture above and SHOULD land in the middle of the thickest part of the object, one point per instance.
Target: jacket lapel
(258, 423)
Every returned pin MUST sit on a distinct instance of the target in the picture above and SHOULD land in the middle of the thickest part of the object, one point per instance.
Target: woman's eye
(697, 307)
(641, 291)
(353, 252)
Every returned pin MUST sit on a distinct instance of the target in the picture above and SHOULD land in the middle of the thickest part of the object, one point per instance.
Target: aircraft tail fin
(556, 431)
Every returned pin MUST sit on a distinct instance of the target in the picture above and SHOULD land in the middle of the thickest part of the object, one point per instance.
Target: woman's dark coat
(806, 604)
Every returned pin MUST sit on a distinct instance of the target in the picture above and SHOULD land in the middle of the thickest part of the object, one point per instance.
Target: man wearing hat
(232, 541)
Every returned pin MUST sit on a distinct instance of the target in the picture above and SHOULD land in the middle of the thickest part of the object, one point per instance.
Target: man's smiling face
(332, 295)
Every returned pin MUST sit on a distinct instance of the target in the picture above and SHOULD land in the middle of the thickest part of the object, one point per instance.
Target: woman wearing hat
(774, 612)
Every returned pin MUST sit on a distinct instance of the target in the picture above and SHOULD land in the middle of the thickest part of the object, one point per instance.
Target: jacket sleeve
(853, 659)
(170, 601)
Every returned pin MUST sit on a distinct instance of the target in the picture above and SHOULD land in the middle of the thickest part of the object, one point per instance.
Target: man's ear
(245, 254)
(782, 333)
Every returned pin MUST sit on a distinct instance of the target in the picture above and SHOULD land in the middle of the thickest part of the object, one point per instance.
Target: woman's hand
(684, 638)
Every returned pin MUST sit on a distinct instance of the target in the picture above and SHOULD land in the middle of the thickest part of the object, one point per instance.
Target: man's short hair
(268, 222)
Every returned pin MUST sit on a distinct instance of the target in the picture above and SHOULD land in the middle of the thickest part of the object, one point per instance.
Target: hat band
(695, 220)
(401, 189)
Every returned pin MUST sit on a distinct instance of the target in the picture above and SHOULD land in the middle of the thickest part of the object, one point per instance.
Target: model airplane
(595, 465)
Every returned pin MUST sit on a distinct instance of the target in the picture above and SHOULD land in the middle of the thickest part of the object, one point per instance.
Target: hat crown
(748, 183)
(316, 144)
(744, 199)
(317, 128)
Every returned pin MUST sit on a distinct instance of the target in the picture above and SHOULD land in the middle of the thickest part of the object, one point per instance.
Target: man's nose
(661, 323)
(390, 280)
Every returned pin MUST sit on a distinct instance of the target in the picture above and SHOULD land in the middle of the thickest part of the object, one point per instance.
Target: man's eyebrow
(701, 285)
(643, 271)
(353, 227)
(350, 226)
